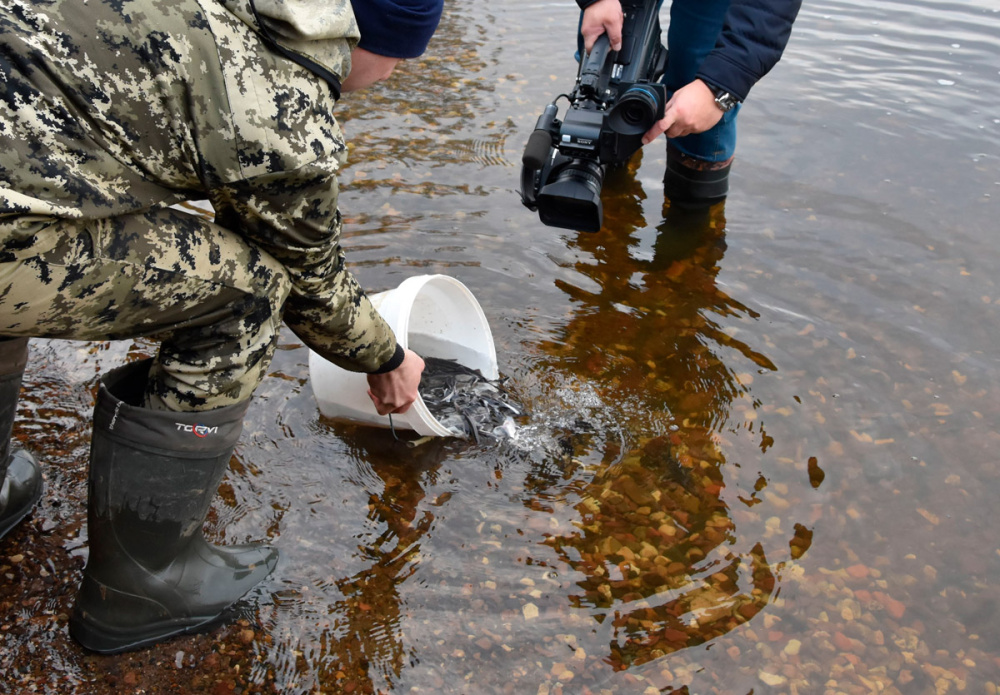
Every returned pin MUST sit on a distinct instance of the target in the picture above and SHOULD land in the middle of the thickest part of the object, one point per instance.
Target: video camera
(618, 96)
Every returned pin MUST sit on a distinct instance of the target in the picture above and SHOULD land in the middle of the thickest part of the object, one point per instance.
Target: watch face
(725, 100)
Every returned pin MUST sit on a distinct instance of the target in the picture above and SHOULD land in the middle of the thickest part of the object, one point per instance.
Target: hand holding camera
(617, 98)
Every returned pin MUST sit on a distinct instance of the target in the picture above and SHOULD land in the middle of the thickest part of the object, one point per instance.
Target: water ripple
(920, 57)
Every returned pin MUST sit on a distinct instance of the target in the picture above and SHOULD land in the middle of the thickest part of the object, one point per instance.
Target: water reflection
(655, 548)
(661, 562)
(358, 643)
(654, 325)
(372, 605)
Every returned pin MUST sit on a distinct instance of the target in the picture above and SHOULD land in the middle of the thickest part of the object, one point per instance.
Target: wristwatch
(724, 100)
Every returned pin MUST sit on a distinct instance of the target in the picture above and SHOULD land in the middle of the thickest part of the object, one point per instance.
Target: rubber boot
(20, 476)
(151, 574)
(693, 183)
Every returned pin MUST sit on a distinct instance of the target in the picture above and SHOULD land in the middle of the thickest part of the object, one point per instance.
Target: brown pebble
(895, 608)
(843, 642)
(857, 571)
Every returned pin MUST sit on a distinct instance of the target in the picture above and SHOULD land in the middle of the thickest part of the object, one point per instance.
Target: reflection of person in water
(663, 566)
(367, 620)
(658, 314)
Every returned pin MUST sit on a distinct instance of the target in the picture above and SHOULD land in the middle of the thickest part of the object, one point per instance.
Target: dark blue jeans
(694, 27)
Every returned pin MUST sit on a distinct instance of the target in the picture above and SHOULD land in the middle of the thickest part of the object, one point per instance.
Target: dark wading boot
(151, 574)
(20, 476)
(692, 183)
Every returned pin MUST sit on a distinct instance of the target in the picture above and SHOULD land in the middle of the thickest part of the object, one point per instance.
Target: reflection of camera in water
(618, 97)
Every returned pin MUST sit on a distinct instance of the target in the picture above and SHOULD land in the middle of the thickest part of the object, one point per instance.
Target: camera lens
(635, 112)
(584, 173)
(572, 199)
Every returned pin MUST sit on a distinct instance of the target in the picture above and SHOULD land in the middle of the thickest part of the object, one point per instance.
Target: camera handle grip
(593, 65)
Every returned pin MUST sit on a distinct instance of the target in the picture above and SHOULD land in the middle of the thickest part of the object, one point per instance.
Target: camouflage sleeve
(294, 217)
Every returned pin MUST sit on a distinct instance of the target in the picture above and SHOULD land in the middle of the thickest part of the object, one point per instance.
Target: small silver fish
(466, 402)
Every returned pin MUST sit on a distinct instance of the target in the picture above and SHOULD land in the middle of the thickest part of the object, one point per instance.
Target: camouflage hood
(319, 35)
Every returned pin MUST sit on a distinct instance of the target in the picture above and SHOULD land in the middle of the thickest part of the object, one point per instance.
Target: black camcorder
(618, 96)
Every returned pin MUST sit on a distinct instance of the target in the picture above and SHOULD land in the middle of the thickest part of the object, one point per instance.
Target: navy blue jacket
(397, 28)
(752, 40)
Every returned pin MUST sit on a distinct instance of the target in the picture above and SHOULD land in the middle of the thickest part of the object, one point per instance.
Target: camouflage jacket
(114, 107)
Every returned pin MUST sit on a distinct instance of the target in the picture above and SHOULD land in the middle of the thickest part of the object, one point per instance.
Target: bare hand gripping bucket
(433, 315)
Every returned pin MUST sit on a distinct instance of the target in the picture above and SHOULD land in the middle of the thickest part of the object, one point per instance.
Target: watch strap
(723, 99)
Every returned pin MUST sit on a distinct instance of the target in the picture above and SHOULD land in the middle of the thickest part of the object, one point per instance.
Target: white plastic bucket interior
(433, 315)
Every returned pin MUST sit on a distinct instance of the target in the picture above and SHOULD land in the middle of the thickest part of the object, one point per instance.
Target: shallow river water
(761, 449)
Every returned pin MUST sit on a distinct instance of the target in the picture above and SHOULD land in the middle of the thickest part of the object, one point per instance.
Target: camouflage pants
(212, 298)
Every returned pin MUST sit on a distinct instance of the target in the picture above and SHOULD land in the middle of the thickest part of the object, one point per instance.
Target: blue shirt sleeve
(397, 28)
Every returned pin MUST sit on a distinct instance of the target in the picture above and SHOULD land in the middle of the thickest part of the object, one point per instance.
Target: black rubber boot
(20, 476)
(151, 574)
(693, 183)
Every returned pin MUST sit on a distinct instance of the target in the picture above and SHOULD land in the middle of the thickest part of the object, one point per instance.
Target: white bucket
(433, 315)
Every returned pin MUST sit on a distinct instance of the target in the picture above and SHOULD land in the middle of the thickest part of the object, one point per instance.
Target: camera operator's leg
(164, 429)
(697, 165)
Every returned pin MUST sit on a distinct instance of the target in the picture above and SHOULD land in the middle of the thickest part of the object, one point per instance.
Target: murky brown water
(761, 450)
